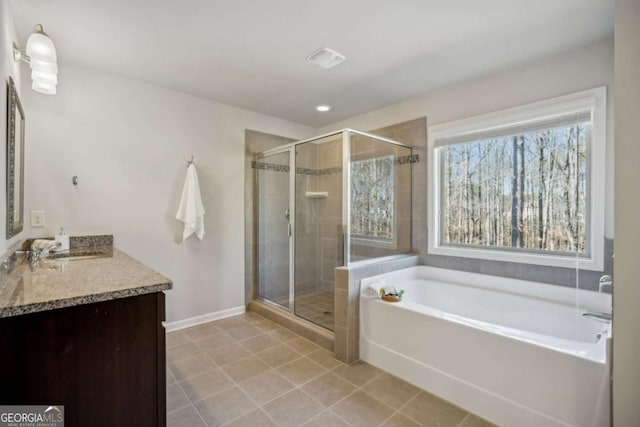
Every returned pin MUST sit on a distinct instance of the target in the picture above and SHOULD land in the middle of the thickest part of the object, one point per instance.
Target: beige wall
(569, 72)
(626, 291)
(128, 142)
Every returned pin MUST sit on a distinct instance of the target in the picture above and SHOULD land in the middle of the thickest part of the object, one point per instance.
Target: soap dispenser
(63, 239)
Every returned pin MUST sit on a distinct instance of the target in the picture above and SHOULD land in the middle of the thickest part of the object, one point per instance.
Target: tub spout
(605, 280)
(603, 317)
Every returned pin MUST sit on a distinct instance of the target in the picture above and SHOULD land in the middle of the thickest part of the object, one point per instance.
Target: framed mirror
(15, 161)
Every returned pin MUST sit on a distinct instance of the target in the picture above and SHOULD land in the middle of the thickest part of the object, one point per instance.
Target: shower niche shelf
(317, 194)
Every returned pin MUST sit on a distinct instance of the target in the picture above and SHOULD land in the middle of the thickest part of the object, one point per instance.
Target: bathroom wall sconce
(41, 56)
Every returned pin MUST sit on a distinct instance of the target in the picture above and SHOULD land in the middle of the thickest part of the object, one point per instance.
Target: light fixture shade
(45, 77)
(43, 86)
(41, 48)
(44, 66)
(43, 60)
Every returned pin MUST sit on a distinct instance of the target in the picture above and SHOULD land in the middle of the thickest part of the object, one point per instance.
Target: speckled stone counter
(88, 275)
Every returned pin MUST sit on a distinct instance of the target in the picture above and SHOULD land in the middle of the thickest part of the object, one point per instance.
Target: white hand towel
(191, 210)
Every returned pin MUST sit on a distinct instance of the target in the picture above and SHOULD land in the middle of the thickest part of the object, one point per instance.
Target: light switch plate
(38, 219)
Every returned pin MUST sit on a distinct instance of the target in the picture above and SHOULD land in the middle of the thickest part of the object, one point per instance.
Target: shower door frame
(291, 227)
(346, 197)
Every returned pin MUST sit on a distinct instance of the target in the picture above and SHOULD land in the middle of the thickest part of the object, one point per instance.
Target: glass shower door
(318, 230)
(274, 229)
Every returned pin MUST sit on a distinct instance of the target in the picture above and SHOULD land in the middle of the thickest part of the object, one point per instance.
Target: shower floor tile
(316, 307)
(300, 383)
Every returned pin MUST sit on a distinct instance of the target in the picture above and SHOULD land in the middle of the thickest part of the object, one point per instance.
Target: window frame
(594, 101)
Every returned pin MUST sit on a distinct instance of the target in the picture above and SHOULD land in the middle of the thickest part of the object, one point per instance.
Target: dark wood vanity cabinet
(105, 361)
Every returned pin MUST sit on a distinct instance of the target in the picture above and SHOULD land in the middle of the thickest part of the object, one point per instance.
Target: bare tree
(525, 191)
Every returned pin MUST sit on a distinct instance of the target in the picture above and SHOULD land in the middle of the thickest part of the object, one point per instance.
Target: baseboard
(203, 318)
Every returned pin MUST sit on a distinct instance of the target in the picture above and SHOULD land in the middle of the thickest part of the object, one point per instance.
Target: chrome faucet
(605, 280)
(33, 256)
(598, 315)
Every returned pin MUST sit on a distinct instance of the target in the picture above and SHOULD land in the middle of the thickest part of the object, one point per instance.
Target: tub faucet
(598, 315)
(605, 280)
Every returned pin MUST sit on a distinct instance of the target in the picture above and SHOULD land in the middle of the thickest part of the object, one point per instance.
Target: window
(372, 201)
(522, 185)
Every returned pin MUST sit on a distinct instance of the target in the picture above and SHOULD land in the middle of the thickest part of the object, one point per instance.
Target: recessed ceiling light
(323, 108)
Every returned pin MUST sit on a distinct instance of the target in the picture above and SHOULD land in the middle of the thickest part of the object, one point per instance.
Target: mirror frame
(15, 118)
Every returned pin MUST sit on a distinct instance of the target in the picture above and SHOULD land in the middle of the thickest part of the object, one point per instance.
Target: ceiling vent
(326, 58)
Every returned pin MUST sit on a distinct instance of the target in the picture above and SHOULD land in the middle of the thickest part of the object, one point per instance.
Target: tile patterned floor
(248, 371)
(316, 307)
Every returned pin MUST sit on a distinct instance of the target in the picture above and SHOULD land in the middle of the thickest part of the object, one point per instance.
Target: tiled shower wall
(306, 272)
(330, 241)
(318, 221)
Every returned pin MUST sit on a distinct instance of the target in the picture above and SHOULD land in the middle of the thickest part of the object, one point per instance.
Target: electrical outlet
(38, 219)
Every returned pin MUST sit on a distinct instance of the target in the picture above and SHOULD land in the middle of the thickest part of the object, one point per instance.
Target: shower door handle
(287, 215)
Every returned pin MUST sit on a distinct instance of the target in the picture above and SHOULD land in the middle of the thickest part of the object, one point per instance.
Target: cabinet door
(104, 362)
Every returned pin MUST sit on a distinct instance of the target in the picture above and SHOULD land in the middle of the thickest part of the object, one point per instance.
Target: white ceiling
(251, 53)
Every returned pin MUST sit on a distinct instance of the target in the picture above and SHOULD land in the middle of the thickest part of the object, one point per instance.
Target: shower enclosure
(325, 202)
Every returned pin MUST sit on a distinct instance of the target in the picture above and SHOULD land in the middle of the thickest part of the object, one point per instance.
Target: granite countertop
(87, 275)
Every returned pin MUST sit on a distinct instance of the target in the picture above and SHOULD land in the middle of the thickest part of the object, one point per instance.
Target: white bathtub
(514, 352)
